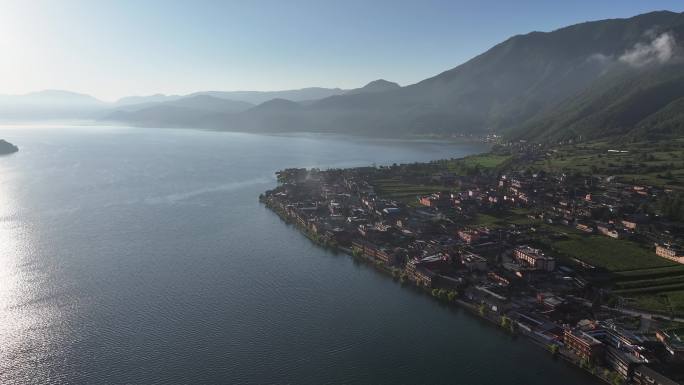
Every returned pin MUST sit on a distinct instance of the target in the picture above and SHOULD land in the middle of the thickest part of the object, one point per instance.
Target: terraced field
(394, 188)
(659, 164)
(659, 289)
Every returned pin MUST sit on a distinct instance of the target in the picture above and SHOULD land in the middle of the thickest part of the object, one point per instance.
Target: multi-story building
(583, 345)
(671, 252)
(533, 258)
(622, 362)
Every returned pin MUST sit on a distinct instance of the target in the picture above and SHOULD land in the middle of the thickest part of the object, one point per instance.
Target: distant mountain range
(618, 77)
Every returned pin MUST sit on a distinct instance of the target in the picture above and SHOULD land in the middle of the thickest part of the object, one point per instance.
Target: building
(672, 343)
(583, 345)
(372, 251)
(609, 231)
(440, 200)
(622, 362)
(469, 236)
(671, 252)
(423, 277)
(473, 262)
(643, 375)
(585, 227)
(533, 258)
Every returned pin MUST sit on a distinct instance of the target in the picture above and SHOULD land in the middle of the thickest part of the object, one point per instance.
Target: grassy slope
(656, 163)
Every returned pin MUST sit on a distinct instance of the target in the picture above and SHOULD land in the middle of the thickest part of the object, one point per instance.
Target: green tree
(553, 348)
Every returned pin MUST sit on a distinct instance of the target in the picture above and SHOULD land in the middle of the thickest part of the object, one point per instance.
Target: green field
(611, 254)
(515, 216)
(659, 163)
(394, 188)
(650, 274)
(483, 161)
(665, 302)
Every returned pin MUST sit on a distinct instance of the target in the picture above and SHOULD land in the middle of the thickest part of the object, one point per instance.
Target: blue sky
(115, 48)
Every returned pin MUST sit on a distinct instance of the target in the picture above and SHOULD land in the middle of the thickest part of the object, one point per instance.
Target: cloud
(600, 58)
(659, 50)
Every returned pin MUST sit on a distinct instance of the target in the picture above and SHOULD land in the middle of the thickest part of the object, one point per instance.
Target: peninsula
(7, 147)
(575, 246)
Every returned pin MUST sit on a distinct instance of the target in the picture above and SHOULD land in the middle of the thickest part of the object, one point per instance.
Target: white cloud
(659, 50)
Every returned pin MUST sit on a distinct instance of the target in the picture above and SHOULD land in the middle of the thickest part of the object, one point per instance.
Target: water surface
(143, 256)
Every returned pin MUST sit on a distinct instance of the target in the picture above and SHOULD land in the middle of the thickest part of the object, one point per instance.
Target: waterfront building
(583, 345)
(423, 277)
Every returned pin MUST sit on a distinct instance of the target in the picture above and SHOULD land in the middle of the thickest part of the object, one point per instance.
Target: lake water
(142, 256)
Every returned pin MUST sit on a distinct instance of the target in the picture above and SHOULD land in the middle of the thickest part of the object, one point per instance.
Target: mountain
(257, 97)
(199, 102)
(184, 112)
(507, 85)
(506, 89)
(252, 97)
(380, 85)
(136, 100)
(211, 103)
(160, 116)
(49, 104)
(617, 77)
(49, 97)
(629, 102)
(277, 105)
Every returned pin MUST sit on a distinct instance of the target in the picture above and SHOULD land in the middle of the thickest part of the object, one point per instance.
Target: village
(509, 246)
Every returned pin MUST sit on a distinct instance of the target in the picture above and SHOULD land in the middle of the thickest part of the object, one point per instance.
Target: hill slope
(637, 103)
(594, 79)
(507, 86)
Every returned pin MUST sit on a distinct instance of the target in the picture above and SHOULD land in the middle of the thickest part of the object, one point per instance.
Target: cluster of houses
(497, 270)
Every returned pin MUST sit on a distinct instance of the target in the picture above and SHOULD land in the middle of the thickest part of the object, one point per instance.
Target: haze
(111, 49)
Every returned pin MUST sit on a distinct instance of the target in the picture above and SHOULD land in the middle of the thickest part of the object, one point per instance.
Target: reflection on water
(143, 256)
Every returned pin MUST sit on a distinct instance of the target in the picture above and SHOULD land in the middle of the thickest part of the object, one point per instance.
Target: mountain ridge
(530, 86)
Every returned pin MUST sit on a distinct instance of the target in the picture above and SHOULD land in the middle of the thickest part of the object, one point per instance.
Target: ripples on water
(143, 256)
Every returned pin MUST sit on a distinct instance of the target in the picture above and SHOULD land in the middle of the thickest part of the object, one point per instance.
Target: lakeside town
(579, 263)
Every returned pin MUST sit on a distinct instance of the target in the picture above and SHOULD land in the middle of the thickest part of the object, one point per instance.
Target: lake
(132, 256)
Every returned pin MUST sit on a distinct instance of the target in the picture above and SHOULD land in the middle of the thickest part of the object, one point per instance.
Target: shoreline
(457, 303)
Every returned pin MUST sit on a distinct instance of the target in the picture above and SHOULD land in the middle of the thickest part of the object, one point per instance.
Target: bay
(142, 256)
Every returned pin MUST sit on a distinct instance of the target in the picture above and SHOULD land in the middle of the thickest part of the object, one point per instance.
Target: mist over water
(143, 256)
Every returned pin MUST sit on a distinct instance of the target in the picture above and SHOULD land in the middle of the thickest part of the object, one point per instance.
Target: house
(624, 364)
(585, 227)
(533, 258)
(671, 252)
(471, 236)
(473, 262)
(423, 277)
(583, 345)
(440, 200)
(609, 231)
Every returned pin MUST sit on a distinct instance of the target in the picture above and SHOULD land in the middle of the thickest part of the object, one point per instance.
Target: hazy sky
(113, 48)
